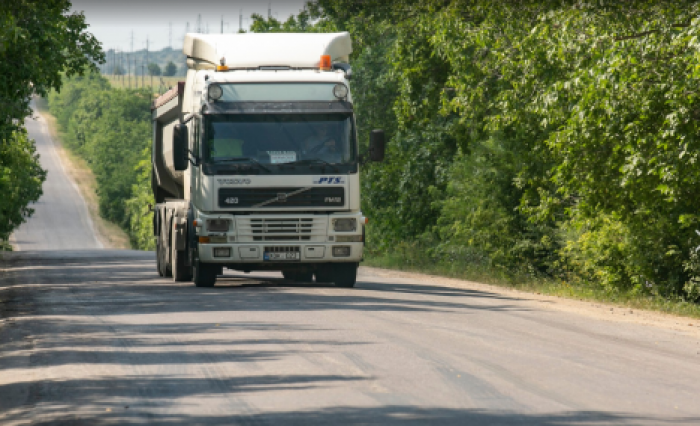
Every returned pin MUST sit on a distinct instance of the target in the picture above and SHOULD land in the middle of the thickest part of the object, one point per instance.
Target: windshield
(280, 139)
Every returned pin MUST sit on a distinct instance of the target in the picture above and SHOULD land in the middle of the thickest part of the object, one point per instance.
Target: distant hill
(135, 63)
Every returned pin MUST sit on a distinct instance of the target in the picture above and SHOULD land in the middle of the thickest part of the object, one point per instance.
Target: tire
(165, 270)
(204, 274)
(181, 272)
(298, 277)
(159, 263)
(344, 274)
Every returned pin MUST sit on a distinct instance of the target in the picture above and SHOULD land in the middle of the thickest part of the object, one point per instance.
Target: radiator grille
(282, 229)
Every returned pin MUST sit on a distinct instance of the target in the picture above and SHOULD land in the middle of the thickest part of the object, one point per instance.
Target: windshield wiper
(237, 159)
(314, 161)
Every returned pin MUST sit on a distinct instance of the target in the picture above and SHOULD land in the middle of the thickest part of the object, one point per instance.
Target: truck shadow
(347, 415)
(130, 278)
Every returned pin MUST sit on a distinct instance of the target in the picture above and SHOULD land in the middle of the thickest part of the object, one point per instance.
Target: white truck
(256, 160)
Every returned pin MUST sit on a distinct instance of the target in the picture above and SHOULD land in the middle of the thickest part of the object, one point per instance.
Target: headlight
(218, 225)
(340, 91)
(344, 225)
(215, 92)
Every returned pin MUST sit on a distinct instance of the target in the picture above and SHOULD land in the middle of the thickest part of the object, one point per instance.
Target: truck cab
(256, 160)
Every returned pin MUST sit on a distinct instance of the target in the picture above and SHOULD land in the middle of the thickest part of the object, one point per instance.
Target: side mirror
(377, 145)
(180, 147)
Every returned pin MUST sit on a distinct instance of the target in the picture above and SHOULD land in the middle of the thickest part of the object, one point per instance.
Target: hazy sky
(112, 21)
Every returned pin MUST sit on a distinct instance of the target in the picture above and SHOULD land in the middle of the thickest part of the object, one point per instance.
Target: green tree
(110, 128)
(40, 43)
(170, 69)
(294, 24)
(20, 182)
(557, 138)
(262, 25)
(153, 69)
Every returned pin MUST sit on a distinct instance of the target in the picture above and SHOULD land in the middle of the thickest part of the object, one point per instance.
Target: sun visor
(252, 50)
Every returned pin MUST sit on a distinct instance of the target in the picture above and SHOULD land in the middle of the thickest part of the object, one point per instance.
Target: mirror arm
(194, 160)
(362, 159)
(185, 118)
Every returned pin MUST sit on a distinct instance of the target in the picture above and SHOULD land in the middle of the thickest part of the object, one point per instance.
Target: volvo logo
(282, 197)
(233, 181)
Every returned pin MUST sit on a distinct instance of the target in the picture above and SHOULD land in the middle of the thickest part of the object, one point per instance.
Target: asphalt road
(96, 337)
(61, 220)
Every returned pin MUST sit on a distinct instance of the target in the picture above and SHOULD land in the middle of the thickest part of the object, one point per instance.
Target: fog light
(218, 225)
(344, 225)
(222, 252)
(342, 251)
(349, 239)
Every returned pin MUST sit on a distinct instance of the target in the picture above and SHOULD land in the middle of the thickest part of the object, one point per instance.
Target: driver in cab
(320, 142)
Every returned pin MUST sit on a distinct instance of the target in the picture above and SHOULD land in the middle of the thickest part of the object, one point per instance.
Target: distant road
(61, 220)
(96, 337)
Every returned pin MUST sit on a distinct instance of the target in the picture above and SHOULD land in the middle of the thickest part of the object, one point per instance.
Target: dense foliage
(39, 41)
(110, 129)
(294, 24)
(20, 182)
(551, 138)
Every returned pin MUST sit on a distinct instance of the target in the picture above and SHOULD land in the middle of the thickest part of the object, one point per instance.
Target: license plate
(282, 256)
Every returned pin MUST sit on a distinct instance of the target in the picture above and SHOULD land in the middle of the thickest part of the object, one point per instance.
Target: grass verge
(109, 234)
(414, 259)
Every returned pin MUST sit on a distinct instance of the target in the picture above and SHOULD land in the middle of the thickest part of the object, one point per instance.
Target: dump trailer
(256, 160)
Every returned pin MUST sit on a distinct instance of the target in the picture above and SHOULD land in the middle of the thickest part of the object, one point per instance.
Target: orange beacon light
(325, 62)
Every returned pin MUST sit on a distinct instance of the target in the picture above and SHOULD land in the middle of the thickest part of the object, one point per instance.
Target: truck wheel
(298, 276)
(204, 274)
(345, 274)
(181, 272)
(159, 264)
(165, 270)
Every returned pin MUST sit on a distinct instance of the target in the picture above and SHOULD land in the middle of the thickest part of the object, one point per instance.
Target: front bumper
(247, 238)
(255, 253)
